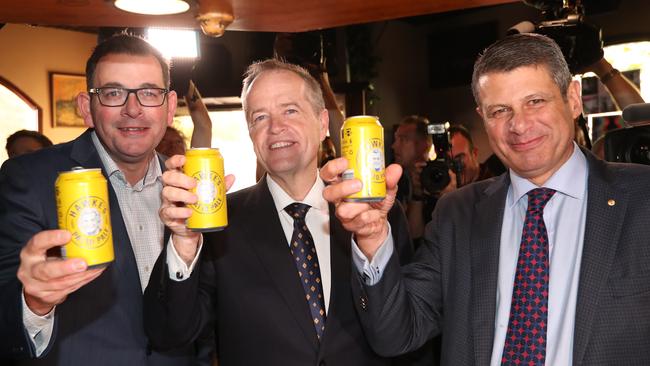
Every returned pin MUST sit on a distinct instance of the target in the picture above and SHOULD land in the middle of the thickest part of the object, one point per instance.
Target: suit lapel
(270, 244)
(85, 153)
(484, 249)
(603, 225)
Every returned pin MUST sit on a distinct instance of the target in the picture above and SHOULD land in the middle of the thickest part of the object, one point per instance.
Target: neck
(134, 172)
(296, 185)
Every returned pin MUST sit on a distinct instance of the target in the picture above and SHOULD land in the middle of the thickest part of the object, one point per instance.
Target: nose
(519, 122)
(277, 124)
(132, 108)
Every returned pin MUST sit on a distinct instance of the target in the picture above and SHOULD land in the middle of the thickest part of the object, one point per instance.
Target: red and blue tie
(526, 337)
(306, 260)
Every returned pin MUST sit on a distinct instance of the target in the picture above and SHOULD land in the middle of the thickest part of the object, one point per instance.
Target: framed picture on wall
(63, 90)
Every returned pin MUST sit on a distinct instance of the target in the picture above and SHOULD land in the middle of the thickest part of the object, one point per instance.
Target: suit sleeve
(175, 312)
(21, 216)
(403, 310)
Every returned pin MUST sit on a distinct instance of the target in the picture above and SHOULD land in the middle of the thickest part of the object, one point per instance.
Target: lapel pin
(611, 202)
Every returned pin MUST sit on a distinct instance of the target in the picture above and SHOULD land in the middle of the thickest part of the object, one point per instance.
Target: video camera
(581, 42)
(631, 144)
(435, 175)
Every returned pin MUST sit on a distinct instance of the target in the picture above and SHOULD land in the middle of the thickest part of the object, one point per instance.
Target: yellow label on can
(209, 213)
(83, 210)
(362, 144)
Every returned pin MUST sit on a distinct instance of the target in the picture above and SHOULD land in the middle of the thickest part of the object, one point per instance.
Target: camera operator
(411, 149)
(623, 91)
(465, 152)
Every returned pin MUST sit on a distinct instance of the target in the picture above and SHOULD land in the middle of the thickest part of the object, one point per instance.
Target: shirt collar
(570, 179)
(314, 198)
(153, 174)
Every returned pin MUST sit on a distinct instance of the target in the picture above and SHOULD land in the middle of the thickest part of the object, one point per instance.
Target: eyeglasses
(117, 97)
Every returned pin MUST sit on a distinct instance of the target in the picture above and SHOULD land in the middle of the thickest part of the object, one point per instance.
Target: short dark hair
(38, 137)
(124, 43)
(314, 92)
(463, 131)
(518, 50)
(420, 124)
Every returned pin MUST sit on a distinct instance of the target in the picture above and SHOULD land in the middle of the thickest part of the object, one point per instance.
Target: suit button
(363, 301)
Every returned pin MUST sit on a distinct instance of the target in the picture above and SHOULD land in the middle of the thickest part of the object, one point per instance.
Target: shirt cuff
(38, 327)
(372, 271)
(178, 269)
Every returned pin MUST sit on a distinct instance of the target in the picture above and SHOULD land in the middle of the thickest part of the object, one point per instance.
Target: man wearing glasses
(58, 310)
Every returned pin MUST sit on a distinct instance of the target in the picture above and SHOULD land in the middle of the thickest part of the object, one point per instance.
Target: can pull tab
(77, 168)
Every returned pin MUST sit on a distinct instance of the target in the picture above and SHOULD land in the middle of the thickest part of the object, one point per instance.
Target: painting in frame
(64, 89)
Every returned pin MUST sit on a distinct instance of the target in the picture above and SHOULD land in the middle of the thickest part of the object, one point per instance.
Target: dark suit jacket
(451, 286)
(99, 324)
(248, 282)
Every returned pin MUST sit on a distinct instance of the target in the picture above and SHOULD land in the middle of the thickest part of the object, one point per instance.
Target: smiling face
(285, 128)
(130, 132)
(529, 124)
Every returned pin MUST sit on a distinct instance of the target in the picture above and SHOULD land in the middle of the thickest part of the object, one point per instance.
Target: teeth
(132, 128)
(279, 145)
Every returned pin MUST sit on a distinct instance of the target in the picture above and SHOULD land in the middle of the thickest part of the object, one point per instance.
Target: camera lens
(639, 152)
(435, 176)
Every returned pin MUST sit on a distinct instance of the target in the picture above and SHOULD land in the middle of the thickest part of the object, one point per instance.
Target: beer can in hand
(209, 213)
(362, 144)
(83, 209)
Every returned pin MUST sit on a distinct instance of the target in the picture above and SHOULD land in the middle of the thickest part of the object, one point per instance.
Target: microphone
(637, 114)
(521, 27)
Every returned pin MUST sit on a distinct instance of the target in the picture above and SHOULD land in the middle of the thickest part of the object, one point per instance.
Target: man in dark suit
(57, 311)
(547, 264)
(269, 304)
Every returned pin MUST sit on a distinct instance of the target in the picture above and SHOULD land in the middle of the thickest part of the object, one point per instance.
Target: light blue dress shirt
(564, 216)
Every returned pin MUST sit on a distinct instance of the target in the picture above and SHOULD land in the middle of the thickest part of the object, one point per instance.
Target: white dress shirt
(318, 222)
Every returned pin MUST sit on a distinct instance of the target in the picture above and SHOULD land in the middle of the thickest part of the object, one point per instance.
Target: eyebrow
(114, 84)
(290, 104)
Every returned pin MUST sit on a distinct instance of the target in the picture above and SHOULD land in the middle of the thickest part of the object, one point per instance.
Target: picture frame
(64, 88)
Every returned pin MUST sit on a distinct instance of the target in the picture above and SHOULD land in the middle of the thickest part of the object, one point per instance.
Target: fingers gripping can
(83, 210)
(362, 144)
(209, 212)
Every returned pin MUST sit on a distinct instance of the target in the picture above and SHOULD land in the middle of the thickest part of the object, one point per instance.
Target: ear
(479, 112)
(324, 119)
(83, 105)
(574, 99)
(172, 100)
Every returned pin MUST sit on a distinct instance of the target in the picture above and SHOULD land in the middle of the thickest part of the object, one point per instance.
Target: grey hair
(314, 93)
(518, 50)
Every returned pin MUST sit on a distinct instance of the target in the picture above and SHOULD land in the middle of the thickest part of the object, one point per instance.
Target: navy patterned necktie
(525, 342)
(304, 254)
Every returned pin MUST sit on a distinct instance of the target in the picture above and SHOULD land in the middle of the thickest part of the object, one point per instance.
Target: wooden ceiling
(250, 15)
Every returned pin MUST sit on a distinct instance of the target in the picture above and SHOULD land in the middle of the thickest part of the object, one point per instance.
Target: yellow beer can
(209, 212)
(362, 144)
(83, 209)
